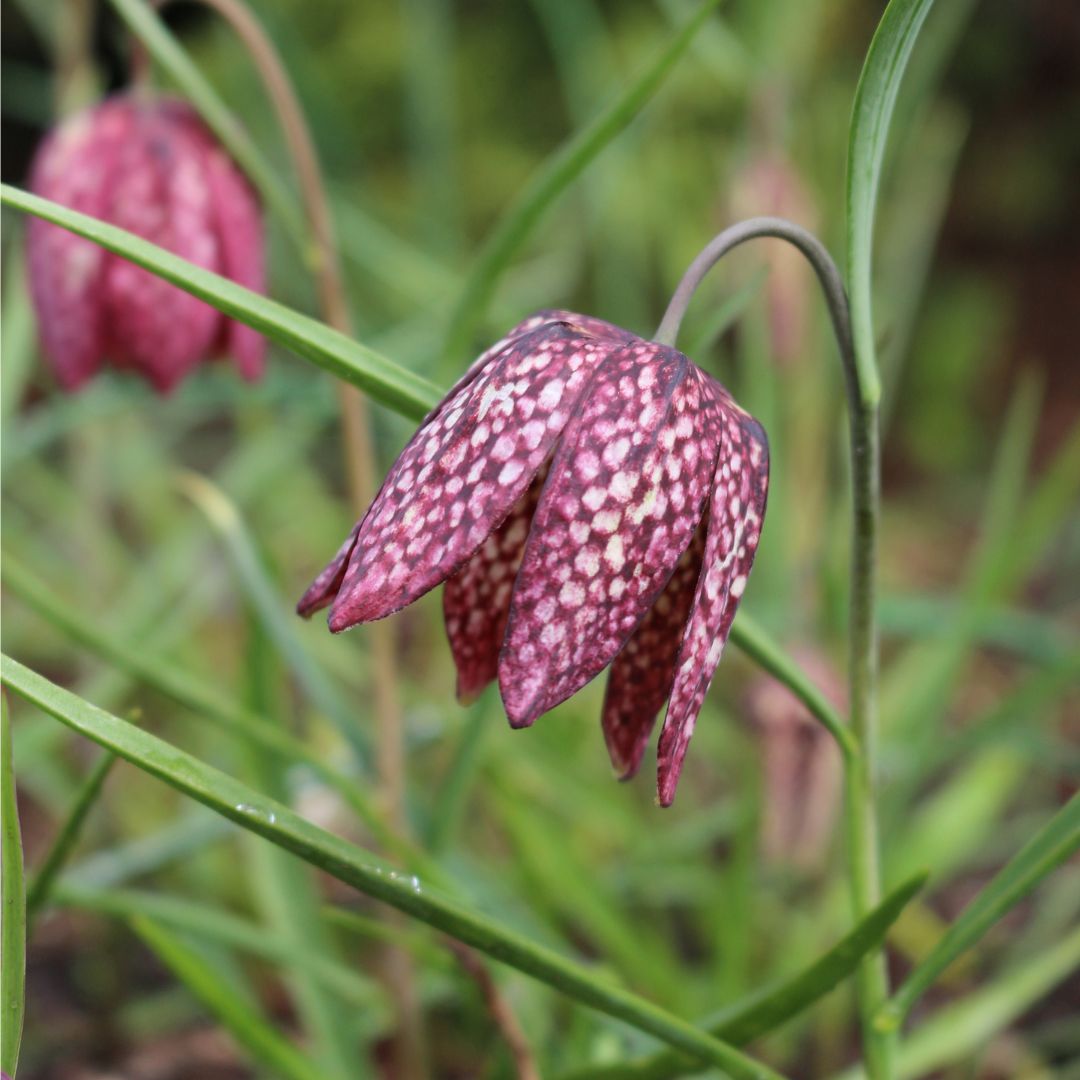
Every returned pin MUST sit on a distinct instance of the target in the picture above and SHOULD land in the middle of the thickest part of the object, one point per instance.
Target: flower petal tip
(340, 621)
(468, 695)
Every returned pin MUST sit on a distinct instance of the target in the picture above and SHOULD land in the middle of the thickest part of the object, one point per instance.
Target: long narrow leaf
(766, 1010)
(1041, 855)
(276, 618)
(251, 1030)
(352, 865)
(552, 179)
(206, 702)
(13, 904)
(282, 888)
(875, 99)
(382, 379)
(68, 834)
(212, 924)
(956, 1034)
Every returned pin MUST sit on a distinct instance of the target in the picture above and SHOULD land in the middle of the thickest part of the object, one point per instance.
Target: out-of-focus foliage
(430, 118)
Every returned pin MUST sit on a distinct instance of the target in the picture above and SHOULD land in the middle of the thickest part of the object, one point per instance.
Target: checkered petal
(464, 470)
(325, 587)
(736, 509)
(476, 600)
(641, 676)
(624, 497)
(75, 167)
(243, 255)
(160, 193)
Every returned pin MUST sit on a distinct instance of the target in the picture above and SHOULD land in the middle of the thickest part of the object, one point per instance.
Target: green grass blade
(17, 337)
(57, 855)
(956, 1034)
(550, 181)
(875, 99)
(282, 888)
(206, 702)
(251, 1030)
(378, 377)
(353, 866)
(767, 1009)
(753, 640)
(145, 24)
(277, 618)
(212, 924)
(1043, 853)
(13, 905)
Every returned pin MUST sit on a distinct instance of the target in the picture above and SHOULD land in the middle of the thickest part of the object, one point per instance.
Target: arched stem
(859, 766)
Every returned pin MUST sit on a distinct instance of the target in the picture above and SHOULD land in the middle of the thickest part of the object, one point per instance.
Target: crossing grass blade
(875, 99)
(13, 903)
(1055, 842)
(766, 1010)
(246, 1025)
(352, 865)
(552, 179)
(364, 368)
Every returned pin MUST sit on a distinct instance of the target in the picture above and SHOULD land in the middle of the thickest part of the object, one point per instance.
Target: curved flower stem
(359, 460)
(859, 757)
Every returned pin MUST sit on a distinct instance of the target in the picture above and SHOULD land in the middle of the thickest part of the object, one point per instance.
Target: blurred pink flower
(769, 184)
(802, 766)
(149, 165)
(588, 498)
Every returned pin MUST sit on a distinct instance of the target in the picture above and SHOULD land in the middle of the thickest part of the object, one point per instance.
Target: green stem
(859, 747)
(860, 781)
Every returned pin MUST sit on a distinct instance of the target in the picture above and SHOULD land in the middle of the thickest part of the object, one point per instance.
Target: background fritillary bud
(149, 165)
(801, 763)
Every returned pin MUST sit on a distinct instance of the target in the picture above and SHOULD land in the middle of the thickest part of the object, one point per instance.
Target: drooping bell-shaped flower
(589, 498)
(147, 164)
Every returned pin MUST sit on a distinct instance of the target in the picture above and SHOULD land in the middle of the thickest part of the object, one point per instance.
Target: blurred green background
(430, 117)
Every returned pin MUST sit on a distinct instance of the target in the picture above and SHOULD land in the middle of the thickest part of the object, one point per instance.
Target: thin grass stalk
(359, 460)
(859, 753)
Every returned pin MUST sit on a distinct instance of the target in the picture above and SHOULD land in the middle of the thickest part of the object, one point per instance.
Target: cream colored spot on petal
(607, 521)
(615, 452)
(614, 554)
(551, 395)
(572, 595)
(510, 472)
(587, 562)
(594, 498)
(622, 485)
(503, 449)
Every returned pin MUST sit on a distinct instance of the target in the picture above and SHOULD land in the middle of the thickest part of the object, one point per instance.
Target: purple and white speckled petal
(240, 232)
(736, 510)
(641, 676)
(325, 587)
(476, 600)
(73, 167)
(624, 497)
(160, 193)
(464, 470)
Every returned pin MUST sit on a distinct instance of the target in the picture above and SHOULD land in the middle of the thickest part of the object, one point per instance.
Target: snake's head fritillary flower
(588, 498)
(149, 165)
